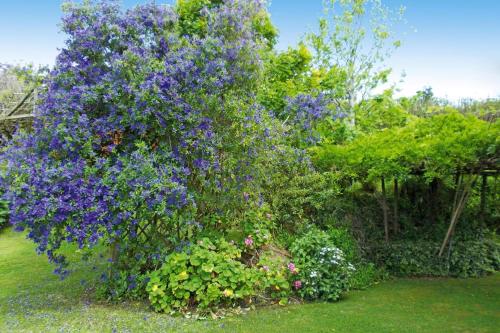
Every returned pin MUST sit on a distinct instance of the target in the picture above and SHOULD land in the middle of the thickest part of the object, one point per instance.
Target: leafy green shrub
(305, 199)
(276, 276)
(206, 275)
(472, 258)
(366, 274)
(344, 241)
(4, 214)
(322, 268)
(257, 224)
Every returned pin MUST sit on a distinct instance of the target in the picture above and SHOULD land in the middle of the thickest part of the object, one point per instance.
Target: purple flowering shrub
(305, 112)
(142, 133)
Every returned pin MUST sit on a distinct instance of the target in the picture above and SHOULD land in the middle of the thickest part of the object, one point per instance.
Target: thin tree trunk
(457, 211)
(395, 222)
(384, 209)
(483, 198)
(458, 183)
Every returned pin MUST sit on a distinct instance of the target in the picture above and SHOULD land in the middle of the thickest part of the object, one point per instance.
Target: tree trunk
(482, 205)
(395, 222)
(457, 211)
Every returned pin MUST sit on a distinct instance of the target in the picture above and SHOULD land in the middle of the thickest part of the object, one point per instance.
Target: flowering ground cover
(32, 299)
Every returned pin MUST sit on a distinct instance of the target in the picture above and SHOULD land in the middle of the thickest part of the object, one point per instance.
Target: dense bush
(4, 214)
(305, 199)
(210, 274)
(323, 271)
(366, 272)
(206, 274)
(471, 258)
(144, 134)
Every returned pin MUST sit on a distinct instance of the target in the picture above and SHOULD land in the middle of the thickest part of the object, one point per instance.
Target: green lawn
(32, 299)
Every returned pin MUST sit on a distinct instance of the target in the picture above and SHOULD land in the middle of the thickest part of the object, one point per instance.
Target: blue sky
(450, 45)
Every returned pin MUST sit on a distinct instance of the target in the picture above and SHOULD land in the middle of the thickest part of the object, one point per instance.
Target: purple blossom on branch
(132, 124)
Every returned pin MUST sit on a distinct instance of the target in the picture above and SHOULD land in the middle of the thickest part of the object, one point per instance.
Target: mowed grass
(33, 299)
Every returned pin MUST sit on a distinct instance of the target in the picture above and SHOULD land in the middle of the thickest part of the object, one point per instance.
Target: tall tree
(355, 37)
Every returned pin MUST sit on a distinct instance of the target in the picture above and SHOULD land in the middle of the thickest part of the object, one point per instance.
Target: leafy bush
(323, 271)
(366, 274)
(344, 241)
(277, 277)
(4, 214)
(307, 198)
(257, 224)
(207, 274)
(471, 258)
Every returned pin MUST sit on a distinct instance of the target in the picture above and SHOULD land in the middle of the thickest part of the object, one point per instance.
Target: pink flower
(266, 268)
(248, 241)
(292, 268)
(297, 284)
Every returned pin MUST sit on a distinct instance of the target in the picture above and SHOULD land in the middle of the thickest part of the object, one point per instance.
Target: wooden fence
(19, 113)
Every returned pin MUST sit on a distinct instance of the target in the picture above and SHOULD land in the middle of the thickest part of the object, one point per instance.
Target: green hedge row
(419, 258)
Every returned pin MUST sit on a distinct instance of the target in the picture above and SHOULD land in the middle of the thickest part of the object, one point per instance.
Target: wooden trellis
(21, 113)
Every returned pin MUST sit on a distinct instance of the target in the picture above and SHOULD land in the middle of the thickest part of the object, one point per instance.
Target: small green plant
(257, 225)
(277, 278)
(322, 269)
(4, 214)
(207, 274)
(366, 274)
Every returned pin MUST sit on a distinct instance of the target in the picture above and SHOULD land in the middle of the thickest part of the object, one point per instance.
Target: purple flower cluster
(305, 110)
(137, 122)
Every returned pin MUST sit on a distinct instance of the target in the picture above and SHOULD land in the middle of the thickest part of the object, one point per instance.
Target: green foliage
(305, 199)
(207, 274)
(257, 223)
(379, 113)
(484, 109)
(193, 22)
(435, 146)
(276, 276)
(322, 267)
(366, 274)
(471, 258)
(344, 241)
(286, 75)
(4, 214)
(355, 37)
